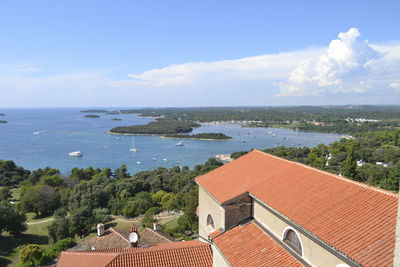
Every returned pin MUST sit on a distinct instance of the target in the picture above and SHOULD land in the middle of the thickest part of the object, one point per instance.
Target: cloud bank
(349, 70)
(348, 65)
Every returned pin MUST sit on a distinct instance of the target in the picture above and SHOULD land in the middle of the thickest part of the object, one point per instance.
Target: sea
(36, 138)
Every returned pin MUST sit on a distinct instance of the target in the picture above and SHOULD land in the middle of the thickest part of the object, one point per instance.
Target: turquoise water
(66, 130)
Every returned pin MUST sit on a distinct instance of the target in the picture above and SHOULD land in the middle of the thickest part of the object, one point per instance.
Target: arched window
(292, 239)
(210, 221)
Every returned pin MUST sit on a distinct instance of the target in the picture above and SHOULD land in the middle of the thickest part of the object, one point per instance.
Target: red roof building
(331, 220)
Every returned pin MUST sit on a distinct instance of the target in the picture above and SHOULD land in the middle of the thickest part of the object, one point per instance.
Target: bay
(63, 130)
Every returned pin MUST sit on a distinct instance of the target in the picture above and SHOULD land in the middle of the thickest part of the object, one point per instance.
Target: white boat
(154, 159)
(138, 162)
(165, 160)
(38, 132)
(75, 154)
(133, 148)
(180, 143)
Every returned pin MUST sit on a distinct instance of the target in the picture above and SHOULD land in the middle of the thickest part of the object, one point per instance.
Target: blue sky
(198, 53)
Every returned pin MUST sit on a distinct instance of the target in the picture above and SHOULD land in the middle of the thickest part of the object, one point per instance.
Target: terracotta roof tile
(249, 246)
(110, 239)
(68, 259)
(188, 253)
(350, 216)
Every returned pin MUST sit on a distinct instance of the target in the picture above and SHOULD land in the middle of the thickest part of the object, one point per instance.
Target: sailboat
(180, 143)
(133, 148)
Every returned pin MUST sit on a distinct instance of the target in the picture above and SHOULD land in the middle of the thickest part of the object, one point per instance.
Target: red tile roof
(188, 253)
(110, 239)
(81, 259)
(355, 218)
(249, 246)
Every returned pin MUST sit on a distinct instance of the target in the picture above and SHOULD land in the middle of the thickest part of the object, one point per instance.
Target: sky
(198, 53)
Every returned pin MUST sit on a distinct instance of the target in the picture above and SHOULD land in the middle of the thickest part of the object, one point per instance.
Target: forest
(332, 119)
(206, 136)
(157, 127)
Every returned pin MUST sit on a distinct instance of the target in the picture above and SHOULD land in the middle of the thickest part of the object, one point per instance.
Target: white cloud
(343, 68)
(272, 67)
(395, 86)
(349, 70)
(347, 66)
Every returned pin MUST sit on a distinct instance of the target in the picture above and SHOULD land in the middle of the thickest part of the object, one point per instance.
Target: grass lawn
(32, 217)
(9, 245)
(170, 224)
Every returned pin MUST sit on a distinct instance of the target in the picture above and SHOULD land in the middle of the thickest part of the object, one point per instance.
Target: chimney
(134, 236)
(397, 246)
(100, 229)
(156, 226)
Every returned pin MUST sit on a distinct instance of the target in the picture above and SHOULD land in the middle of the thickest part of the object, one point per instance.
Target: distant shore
(188, 138)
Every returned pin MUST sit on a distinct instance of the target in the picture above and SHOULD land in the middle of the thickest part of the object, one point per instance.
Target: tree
(139, 205)
(121, 172)
(393, 179)
(5, 193)
(30, 255)
(41, 199)
(350, 165)
(11, 220)
(101, 215)
(59, 229)
(54, 180)
(81, 221)
(149, 217)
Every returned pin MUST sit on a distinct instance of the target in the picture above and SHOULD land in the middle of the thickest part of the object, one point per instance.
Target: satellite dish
(133, 237)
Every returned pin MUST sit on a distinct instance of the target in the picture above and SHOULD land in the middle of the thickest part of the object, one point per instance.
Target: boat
(154, 159)
(224, 157)
(274, 135)
(138, 162)
(75, 154)
(164, 159)
(243, 141)
(117, 138)
(180, 143)
(133, 148)
(38, 132)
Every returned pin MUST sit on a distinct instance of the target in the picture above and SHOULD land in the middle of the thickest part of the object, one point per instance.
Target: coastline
(165, 137)
(203, 139)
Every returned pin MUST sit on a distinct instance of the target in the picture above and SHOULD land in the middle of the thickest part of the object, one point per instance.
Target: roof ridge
(120, 235)
(90, 252)
(348, 180)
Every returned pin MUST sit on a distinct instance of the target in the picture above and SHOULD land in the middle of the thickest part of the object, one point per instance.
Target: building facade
(261, 210)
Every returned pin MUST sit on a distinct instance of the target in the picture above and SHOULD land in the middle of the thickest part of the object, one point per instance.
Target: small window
(293, 241)
(210, 221)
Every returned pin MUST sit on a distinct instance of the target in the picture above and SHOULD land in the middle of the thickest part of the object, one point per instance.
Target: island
(92, 116)
(160, 127)
(201, 136)
(2, 114)
(116, 119)
(94, 111)
(3, 121)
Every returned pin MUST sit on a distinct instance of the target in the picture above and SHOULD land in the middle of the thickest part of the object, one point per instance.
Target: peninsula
(92, 116)
(161, 127)
(94, 111)
(200, 136)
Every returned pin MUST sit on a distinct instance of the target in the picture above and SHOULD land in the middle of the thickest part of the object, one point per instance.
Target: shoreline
(165, 137)
(203, 139)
